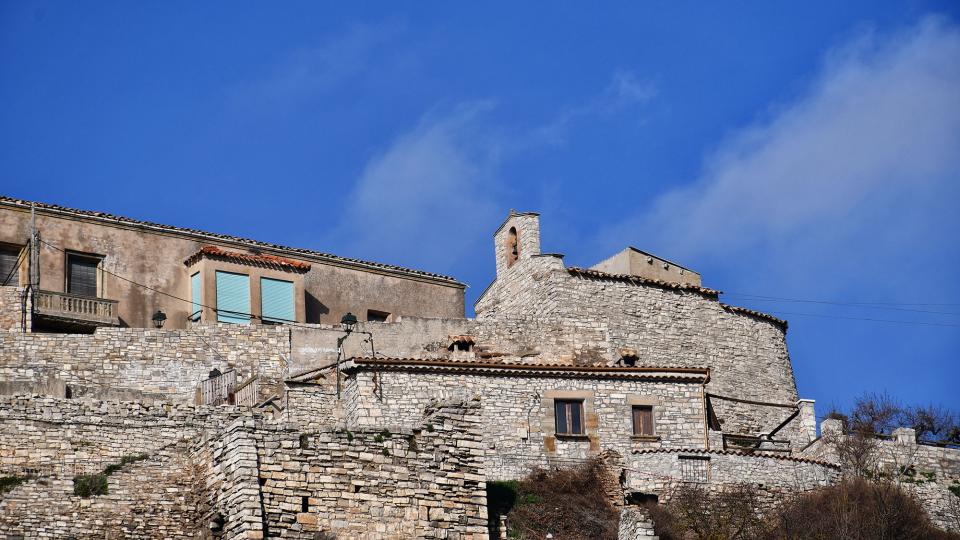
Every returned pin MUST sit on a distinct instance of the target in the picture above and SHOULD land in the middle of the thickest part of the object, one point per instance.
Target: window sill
(571, 437)
(645, 438)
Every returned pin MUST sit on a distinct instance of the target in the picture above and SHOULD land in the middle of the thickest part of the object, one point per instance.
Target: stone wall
(49, 441)
(144, 364)
(540, 310)
(518, 416)
(427, 482)
(12, 304)
(660, 471)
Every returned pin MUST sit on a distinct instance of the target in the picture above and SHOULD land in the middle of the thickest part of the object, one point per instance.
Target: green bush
(8, 483)
(88, 485)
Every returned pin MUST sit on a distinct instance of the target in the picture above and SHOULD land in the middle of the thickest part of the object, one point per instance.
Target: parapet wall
(129, 363)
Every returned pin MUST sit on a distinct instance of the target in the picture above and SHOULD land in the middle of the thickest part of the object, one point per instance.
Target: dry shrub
(567, 503)
(856, 509)
(696, 513)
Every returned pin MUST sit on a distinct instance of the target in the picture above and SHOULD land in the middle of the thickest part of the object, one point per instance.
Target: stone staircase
(635, 524)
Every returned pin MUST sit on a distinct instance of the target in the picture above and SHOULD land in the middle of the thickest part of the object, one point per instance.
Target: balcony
(75, 310)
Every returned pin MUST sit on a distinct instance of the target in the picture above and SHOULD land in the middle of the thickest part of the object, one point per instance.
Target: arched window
(513, 247)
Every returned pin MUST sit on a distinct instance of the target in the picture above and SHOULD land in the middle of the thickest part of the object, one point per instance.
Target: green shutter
(195, 297)
(233, 298)
(276, 300)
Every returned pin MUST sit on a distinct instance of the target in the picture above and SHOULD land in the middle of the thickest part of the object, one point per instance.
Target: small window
(10, 261)
(569, 417)
(694, 468)
(377, 316)
(82, 274)
(643, 420)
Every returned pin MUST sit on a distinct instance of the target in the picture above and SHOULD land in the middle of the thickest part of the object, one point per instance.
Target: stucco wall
(155, 258)
(518, 416)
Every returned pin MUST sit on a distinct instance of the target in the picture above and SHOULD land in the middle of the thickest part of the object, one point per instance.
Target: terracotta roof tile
(757, 314)
(755, 453)
(315, 255)
(677, 374)
(637, 280)
(269, 261)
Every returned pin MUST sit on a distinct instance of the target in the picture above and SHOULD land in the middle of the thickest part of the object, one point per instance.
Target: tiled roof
(637, 280)
(756, 453)
(269, 261)
(315, 255)
(757, 314)
(673, 374)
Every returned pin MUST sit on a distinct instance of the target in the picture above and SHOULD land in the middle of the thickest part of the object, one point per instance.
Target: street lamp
(349, 321)
(159, 318)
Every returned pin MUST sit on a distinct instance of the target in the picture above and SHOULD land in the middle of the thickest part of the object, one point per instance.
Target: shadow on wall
(314, 308)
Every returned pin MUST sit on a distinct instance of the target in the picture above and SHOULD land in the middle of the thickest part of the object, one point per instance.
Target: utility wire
(756, 298)
(15, 267)
(297, 325)
(875, 305)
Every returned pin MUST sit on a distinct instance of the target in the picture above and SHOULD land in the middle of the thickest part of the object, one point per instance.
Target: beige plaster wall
(155, 258)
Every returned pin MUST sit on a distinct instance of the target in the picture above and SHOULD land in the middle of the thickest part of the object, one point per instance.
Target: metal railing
(76, 307)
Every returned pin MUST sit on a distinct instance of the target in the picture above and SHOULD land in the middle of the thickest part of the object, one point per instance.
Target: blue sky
(801, 151)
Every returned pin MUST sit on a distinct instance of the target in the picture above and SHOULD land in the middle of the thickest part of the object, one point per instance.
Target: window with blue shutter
(195, 297)
(276, 300)
(233, 298)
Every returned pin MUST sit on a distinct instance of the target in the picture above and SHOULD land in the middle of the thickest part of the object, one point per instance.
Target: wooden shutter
(82, 275)
(643, 420)
(233, 298)
(276, 300)
(8, 265)
(569, 417)
(195, 297)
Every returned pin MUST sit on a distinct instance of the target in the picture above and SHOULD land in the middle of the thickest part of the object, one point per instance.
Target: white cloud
(427, 201)
(860, 174)
(331, 64)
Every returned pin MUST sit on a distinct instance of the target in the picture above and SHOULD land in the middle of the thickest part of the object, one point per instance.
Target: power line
(16, 267)
(876, 305)
(924, 323)
(758, 298)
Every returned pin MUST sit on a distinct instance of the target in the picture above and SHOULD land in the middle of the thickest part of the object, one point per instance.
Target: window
(9, 262)
(233, 298)
(643, 420)
(694, 468)
(276, 301)
(82, 274)
(569, 417)
(195, 297)
(377, 316)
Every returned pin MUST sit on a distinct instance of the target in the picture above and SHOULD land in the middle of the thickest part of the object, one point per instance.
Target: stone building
(388, 427)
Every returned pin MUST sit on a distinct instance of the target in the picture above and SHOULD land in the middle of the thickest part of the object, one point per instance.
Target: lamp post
(159, 318)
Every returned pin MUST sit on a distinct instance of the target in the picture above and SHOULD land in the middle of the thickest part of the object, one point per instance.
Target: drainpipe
(703, 401)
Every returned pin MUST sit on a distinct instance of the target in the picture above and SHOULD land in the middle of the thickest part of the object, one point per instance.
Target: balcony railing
(76, 308)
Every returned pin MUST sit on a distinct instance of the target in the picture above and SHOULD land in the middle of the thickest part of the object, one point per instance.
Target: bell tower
(517, 238)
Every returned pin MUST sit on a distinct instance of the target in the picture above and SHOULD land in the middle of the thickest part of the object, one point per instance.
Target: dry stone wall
(127, 363)
(518, 413)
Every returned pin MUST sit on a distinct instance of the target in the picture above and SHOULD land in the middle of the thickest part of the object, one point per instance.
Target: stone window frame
(586, 397)
(639, 400)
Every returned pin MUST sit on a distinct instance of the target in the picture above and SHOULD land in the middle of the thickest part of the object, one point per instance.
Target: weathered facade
(389, 428)
(125, 270)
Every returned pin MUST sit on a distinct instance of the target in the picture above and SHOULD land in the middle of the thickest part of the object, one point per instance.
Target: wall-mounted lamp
(349, 321)
(159, 318)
